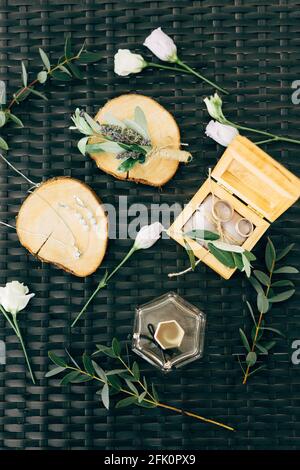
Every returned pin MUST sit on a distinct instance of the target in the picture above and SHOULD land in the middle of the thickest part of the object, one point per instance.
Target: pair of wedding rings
(223, 211)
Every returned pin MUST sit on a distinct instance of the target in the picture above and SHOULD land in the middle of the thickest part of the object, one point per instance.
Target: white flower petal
(126, 62)
(221, 133)
(161, 45)
(148, 235)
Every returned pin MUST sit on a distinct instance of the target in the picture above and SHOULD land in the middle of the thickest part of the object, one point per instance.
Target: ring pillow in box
(253, 185)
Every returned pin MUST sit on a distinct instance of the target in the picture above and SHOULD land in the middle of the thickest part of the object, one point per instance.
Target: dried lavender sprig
(124, 136)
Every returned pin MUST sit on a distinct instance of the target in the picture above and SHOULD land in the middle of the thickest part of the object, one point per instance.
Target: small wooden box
(258, 188)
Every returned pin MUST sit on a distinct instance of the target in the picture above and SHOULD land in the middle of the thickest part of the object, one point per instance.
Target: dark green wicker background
(253, 49)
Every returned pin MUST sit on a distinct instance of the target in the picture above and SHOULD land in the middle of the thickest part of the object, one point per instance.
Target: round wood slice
(163, 132)
(63, 222)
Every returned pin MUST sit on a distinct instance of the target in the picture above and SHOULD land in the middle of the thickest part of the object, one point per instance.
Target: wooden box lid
(256, 178)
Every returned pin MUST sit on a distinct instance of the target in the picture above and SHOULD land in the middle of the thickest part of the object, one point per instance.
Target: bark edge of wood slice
(53, 233)
(163, 131)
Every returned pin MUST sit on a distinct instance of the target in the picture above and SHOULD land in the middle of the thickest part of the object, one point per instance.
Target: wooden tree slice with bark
(163, 132)
(63, 222)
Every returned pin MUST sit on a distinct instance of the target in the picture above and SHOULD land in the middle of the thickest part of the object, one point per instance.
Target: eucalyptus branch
(265, 287)
(127, 381)
(64, 70)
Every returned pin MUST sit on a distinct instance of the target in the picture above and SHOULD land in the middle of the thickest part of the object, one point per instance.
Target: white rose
(161, 45)
(126, 62)
(148, 235)
(14, 296)
(221, 133)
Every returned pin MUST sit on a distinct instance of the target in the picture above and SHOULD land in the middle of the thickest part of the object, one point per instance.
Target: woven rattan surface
(251, 48)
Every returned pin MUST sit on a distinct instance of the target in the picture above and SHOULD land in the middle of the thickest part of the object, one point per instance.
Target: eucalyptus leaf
(136, 371)
(269, 345)
(99, 371)
(256, 285)
(61, 76)
(2, 118)
(228, 247)
(116, 347)
(105, 396)
(284, 252)
(257, 369)
(55, 371)
(283, 283)
(87, 363)
(68, 49)
(202, 235)
(75, 70)
(251, 311)
(282, 296)
(141, 397)
(261, 348)
(140, 119)
(87, 57)
(24, 75)
(109, 147)
(286, 270)
(42, 76)
(190, 254)
(115, 382)
(224, 257)
(262, 277)
(247, 265)
(154, 393)
(92, 123)
(82, 378)
(64, 69)
(274, 330)
(238, 261)
(16, 120)
(145, 404)
(82, 143)
(56, 359)
(3, 144)
(262, 303)
(250, 256)
(244, 339)
(110, 119)
(132, 387)
(270, 255)
(73, 375)
(126, 402)
(127, 165)
(251, 358)
(72, 359)
(39, 94)
(45, 59)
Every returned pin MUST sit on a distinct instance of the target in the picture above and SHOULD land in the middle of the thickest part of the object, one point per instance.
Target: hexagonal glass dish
(163, 309)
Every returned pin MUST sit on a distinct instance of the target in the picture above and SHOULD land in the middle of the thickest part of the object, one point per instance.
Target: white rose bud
(221, 133)
(126, 62)
(148, 235)
(214, 107)
(161, 45)
(14, 297)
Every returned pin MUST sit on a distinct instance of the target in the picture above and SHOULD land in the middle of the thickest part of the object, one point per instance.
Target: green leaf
(244, 339)
(190, 254)
(132, 387)
(105, 396)
(16, 120)
(141, 397)
(24, 74)
(136, 371)
(116, 372)
(2, 118)
(284, 252)
(247, 265)
(73, 375)
(115, 382)
(75, 70)
(127, 164)
(261, 348)
(270, 255)
(228, 247)
(251, 358)
(54, 371)
(269, 345)
(256, 285)
(140, 119)
(202, 235)
(39, 94)
(116, 347)
(87, 57)
(238, 261)
(22, 94)
(145, 404)
(257, 369)
(274, 330)
(109, 147)
(3, 144)
(82, 145)
(42, 76)
(126, 402)
(87, 363)
(68, 49)
(262, 303)
(224, 257)
(283, 283)
(82, 378)
(282, 296)
(262, 277)
(61, 76)
(92, 123)
(64, 69)
(286, 270)
(258, 335)
(99, 371)
(251, 311)
(109, 352)
(45, 59)
(250, 256)
(57, 360)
